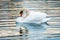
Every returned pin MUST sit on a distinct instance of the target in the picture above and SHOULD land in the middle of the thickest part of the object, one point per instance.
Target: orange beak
(20, 14)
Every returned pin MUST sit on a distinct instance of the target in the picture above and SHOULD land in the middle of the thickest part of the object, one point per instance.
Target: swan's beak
(21, 14)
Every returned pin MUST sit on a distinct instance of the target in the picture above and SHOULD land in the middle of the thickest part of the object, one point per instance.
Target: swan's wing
(45, 19)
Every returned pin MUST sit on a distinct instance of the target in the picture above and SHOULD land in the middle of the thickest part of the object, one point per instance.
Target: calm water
(36, 32)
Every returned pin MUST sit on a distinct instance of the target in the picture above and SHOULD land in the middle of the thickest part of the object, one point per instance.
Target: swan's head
(23, 13)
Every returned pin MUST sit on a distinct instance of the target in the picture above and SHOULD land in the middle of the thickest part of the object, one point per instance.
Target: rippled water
(36, 32)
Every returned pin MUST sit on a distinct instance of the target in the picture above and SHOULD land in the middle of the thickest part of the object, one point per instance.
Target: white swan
(33, 17)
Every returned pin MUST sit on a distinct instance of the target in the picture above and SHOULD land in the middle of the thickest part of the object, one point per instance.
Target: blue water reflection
(35, 30)
(33, 26)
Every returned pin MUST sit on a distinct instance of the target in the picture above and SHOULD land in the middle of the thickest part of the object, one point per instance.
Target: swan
(32, 17)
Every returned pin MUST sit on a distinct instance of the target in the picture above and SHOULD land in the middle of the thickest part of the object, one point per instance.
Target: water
(36, 32)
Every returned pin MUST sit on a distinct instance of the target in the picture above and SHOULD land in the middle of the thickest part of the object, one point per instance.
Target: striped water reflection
(36, 32)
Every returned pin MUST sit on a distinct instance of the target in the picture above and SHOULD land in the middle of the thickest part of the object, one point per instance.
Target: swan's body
(33, 17)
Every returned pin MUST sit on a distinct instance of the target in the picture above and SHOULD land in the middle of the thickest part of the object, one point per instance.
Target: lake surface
(37, 32)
